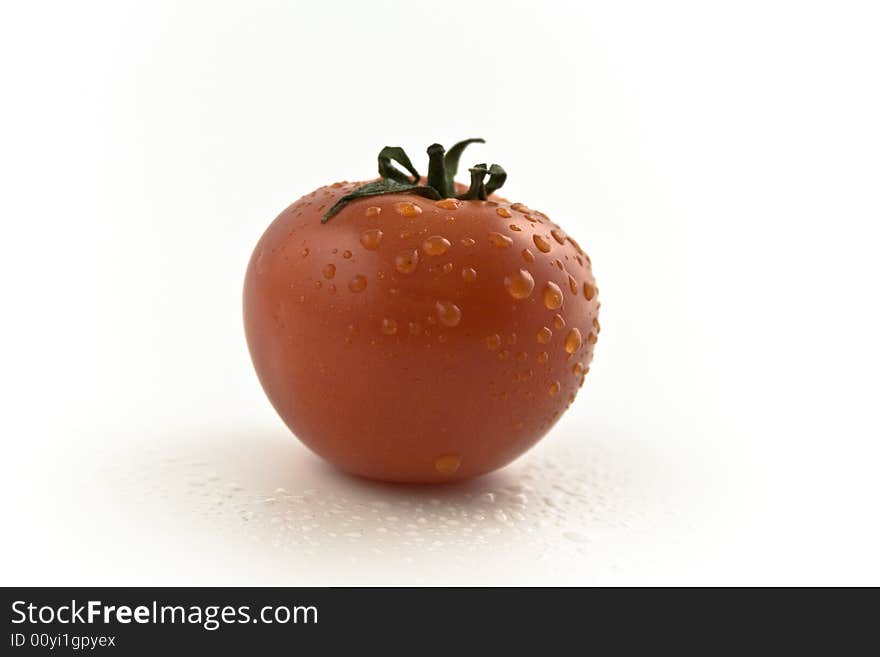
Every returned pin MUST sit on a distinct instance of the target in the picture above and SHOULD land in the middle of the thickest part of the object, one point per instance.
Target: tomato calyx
(440, 183)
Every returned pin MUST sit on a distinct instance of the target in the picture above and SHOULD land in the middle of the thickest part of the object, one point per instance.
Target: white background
(718, 161)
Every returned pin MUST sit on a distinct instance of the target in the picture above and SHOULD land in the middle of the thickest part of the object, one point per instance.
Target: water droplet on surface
(346, 254)
(436, 245)
(514, 228)
(318, 284)
(578, 368)
(542, 357)
(373, 211)
(469, 274)
(468, 242)
(589, 290)
(406, 262)
(502, 355)
(552, 296)
(573, 341)
(558, 322)
(448, 313)
(357, 284)
(414, 328)
(503, 212)
(448, 204)
(493, 342)
(329, 271)
(528, 256)
(499, 241)
(389, 326)
(521, 355)
(447, 464)
(596, 325)
(370, 239)
(407, 209)
(519, 284)
(304, 253)
(592, 339)
(542, 243)
(558, 235)
(553, 390)
(544, 335)
(574, 537)
(572, 284)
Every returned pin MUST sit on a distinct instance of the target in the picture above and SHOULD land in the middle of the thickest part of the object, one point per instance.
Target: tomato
(404, 334)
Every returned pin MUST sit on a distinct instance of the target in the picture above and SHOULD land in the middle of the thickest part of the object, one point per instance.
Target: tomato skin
(385, 363)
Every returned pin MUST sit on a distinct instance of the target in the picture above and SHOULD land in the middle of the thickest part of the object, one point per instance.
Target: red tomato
(407, 335)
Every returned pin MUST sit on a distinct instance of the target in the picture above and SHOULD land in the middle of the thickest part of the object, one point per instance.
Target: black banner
(134, 621)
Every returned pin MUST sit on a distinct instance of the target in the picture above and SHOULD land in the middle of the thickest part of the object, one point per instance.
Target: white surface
(718, 162)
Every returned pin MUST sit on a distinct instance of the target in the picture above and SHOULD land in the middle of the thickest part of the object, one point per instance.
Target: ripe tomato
(407, 335)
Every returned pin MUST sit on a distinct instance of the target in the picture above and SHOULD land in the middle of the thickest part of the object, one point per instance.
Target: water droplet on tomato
(407, 262)
(558, 235)
(370, 239)
(389, 326)
(448, 313)
(373, 211)
(519, 284)
(448, 204)
(528, 256)
(552, 296)
(469, 274)
(542, 243)
(357, 284)
(499, 241)
(572, 284)
(544, 335)
(436, 245)
(553, 390)
(558, 322)
(573, 341)
(543, 356)
(407, 209)
(589, 290)
(493, 342)
(467, 241)
(304, 253)
(329, 271)
(447, 464)
(503, 212)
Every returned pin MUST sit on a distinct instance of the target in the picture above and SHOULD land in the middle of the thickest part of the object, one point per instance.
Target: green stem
(442, 167)
(437, 169)
(477, 190)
